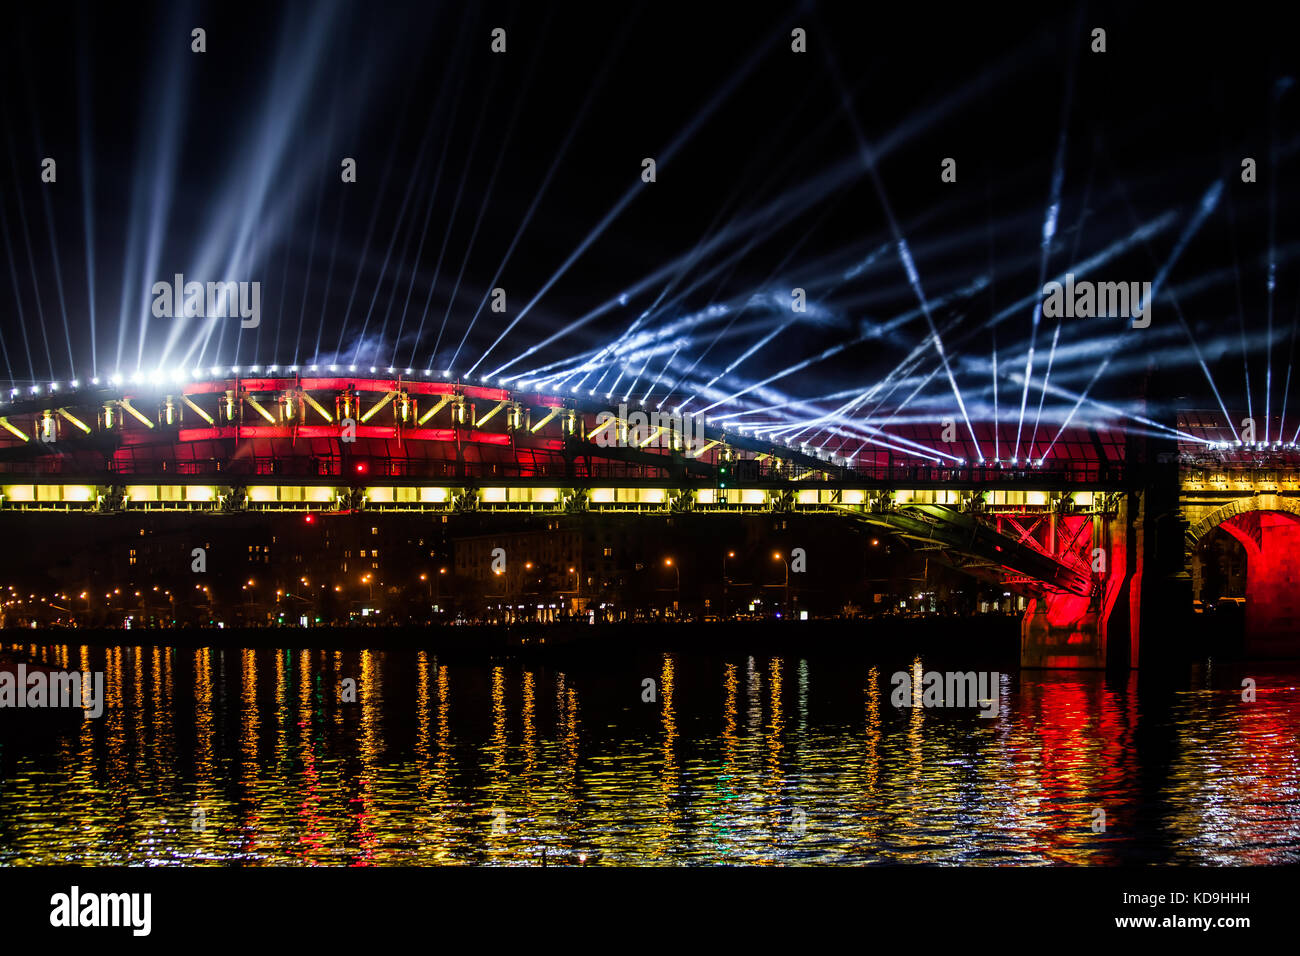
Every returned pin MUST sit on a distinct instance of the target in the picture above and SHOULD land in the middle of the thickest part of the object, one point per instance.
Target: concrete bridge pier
(1063, 630)
(1139, 613)
(1160, 592)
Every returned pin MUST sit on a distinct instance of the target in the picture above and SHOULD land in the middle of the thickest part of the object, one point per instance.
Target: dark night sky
(180, 154)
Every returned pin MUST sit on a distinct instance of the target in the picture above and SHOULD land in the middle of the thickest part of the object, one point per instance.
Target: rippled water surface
(238, 756)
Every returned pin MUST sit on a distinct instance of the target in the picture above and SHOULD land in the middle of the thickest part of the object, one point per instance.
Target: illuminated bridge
(1102, 519)
(309, 429)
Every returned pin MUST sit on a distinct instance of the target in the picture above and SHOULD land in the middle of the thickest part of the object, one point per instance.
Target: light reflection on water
(243, 756)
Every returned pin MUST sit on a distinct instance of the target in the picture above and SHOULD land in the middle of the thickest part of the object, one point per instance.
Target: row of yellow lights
(252, 583)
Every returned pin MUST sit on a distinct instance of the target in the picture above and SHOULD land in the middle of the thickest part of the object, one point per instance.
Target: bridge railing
(525, 464)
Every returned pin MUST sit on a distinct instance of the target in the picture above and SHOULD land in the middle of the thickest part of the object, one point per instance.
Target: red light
(311, 518)
(361, 468)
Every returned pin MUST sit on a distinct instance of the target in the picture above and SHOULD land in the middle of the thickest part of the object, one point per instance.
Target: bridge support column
(1160, 594)
(1062, 630)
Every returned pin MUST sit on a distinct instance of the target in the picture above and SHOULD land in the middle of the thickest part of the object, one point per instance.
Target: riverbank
(996, 636)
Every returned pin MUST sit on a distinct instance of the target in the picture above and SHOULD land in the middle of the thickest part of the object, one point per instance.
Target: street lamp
(725, 557)
(669, 563)
(776, 556)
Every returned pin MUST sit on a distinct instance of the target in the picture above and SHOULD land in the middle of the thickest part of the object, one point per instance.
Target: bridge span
(1105, 531)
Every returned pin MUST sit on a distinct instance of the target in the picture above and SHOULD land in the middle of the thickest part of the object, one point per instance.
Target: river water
(369, 757)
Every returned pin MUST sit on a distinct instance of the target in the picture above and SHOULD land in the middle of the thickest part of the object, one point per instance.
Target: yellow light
(776, 555)
(197, 411)
(78, 493)
(126, 404)
(259, 409)
(200, 493)
(76, 421)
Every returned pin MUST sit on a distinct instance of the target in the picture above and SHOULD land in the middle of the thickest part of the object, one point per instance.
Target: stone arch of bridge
(1268, 527)
(1279, 504)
